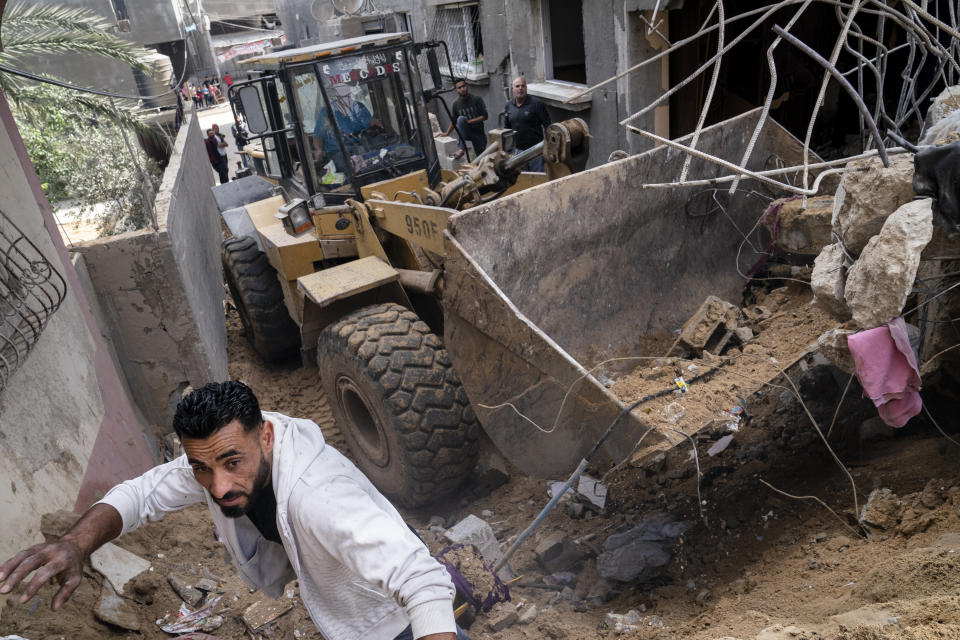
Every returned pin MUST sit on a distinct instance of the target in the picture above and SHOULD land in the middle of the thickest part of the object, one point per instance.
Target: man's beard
(260, 486)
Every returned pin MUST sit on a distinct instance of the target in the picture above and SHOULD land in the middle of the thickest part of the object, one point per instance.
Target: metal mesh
(31, 290)
(902, 54)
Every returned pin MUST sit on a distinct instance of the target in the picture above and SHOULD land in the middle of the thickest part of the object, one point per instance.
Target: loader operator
(353, 119)
(286, 506)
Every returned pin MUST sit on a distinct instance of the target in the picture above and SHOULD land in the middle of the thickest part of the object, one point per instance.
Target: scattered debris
(673, 412)
(186, 621)
(879, 282)
(641, 551)
(624, 622)
(720, 445)
(114, 610)
(263, 612)
(117, 565)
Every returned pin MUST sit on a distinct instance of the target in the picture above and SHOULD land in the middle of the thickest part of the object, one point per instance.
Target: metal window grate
(458, 25)
(31, 290)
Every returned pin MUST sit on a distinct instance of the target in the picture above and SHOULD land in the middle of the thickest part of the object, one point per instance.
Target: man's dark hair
(214, 406)
(457, 81)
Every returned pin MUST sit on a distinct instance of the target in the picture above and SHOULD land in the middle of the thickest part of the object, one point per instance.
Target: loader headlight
(295, 216)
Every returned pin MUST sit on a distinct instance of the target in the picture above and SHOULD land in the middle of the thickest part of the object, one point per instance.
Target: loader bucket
(545, 284)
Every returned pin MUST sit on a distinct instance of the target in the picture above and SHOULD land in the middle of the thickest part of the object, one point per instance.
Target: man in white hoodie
(286, 506)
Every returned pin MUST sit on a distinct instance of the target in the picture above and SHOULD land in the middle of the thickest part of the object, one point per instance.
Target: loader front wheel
(256, 292)
(399, 403)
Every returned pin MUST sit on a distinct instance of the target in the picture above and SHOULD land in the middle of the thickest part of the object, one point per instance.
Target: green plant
(74, 139)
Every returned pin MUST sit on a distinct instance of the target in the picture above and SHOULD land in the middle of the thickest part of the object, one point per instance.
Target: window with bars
(31, 290)
(458, 24)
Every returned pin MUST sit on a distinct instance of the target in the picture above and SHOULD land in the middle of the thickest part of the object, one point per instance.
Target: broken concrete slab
(593, 490)
(711, 326)
(556, 553)
(828, 280)
(879, 282)
(263, 612)
(868, 194)
(804, 227)
(117, 565)
(475, 531)
(641, 551)
(185, 589)
(114, 610)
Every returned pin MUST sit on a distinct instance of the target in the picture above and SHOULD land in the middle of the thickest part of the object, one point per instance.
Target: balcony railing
(31, 290)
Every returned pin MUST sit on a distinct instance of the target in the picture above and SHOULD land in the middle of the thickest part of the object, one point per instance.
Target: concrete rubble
(556, 553)
(829, 279)
(803, 226)
(711, 327)
(114, 610)
(868, 193)
(475, 531)
(117, 565)
(185, 589)
(880, 281)
(881, 510)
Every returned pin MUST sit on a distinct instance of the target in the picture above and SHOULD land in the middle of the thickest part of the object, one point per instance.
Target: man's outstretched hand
(63, 559)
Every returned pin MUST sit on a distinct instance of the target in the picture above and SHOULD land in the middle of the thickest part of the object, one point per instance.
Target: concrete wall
(163, 302)
(615, 39)
(68, 431)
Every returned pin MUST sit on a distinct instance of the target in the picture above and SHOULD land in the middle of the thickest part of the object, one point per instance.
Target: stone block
(711, 326)
(804, 228)
(117, 565)
(828, 280)
(475, 531)
(868, 194)
(879, 282)
(557, 553)
(528, 614)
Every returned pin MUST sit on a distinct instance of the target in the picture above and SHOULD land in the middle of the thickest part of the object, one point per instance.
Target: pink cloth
(888, 371)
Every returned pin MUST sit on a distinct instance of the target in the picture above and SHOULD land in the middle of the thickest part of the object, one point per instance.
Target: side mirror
(253, 109)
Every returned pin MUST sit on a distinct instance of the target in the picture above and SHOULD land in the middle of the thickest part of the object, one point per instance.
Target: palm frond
(45, 29)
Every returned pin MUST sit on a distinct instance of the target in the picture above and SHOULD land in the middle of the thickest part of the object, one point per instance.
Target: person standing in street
(529, 118)
(469, 114)
(217, 154)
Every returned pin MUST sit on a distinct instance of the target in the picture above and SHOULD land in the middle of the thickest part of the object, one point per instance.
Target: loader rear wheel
(399, 403)
(256, 292)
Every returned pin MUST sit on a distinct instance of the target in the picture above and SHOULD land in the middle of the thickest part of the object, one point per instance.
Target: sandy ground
(751, 559)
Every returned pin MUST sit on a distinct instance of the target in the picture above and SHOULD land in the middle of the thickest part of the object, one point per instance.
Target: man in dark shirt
(528, 117)
(469, 112)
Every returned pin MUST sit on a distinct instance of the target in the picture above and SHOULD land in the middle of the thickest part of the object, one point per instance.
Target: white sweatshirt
(362, 572)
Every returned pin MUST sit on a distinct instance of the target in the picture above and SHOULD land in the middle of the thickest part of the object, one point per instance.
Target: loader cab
(332, 118)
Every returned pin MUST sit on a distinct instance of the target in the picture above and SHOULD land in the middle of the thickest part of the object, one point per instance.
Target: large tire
(256, 292)
(398, 402)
